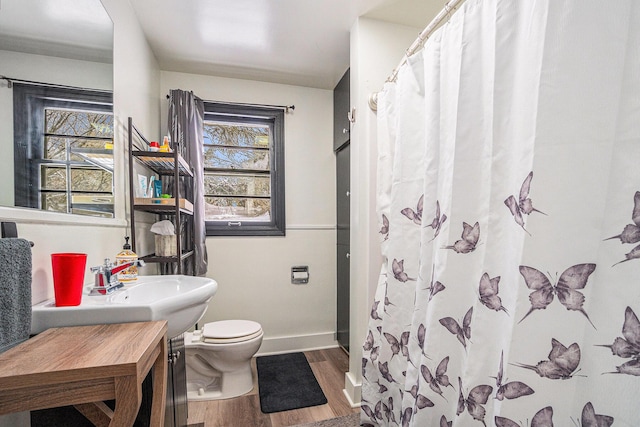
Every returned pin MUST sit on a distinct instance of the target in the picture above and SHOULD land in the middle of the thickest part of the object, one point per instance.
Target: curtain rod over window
(11, 81)
(286, 108)
(418, 43)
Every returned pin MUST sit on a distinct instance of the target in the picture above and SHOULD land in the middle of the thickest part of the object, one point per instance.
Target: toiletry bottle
(127, 255)
(165, 148)
(154, 146)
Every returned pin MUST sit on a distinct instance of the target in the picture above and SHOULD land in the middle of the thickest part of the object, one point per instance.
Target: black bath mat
(286, 382)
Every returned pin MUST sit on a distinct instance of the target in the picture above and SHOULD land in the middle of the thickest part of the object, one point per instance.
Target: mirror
(67, 44)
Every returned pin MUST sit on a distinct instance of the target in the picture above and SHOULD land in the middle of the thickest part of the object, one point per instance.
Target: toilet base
(226, 386)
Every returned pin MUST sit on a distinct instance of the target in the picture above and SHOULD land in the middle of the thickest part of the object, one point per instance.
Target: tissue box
(166, 245)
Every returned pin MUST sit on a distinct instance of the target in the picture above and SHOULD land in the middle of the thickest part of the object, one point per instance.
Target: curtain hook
(448, 9)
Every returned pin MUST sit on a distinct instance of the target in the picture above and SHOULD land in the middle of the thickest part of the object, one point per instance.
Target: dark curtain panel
(186, 116)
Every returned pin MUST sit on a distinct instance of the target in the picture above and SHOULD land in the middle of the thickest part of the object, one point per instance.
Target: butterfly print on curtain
(523, 205)
(440, 379)
(589, 418)
(384, 230)
(384, 371)
(631, 232)
(374, 311)
(542, 418)
(561, 364)
(488, 291)
(463, 332)
(628, 346)
(398, 346)
(420, 336)
(368, 343)
(364, 367)
(369, 412)
(379, 409)
(388, 411)
(444, 422)
(381, 387)
(511, 390)
(571, 279)
(469, 240)
(421, 401)
(434, 287)
(477, 397)
(415, 216)
(437, 221)
(405, 417)
(398, 271)
(633, 254)
(386, 298)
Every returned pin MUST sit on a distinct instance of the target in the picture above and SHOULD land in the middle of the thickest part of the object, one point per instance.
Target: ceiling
(75, 29)
(298, 42)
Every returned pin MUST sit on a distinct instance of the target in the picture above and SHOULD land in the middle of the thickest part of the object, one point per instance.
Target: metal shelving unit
(177, 209)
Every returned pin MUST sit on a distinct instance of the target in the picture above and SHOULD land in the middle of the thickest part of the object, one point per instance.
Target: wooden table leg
(159, 386)
(128, 399)
(98, 413)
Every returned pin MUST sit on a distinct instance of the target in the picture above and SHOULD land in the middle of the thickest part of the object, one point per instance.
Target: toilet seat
(230, 331)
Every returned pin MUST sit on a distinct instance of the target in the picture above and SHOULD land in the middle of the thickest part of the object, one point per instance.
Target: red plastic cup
(68, 277)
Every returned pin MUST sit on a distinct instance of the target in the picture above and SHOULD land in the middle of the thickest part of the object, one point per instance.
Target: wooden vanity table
(84, 366)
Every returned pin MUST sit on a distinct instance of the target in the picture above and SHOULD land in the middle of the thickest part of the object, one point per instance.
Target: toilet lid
(230, 329)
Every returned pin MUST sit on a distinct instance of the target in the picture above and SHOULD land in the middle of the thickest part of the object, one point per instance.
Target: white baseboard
(352, 390)
(289, 344)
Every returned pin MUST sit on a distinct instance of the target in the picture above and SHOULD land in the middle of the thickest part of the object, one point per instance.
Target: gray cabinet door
(342, 253)
(343, 194)
(341, 106)
(343, 297)
(176, 403)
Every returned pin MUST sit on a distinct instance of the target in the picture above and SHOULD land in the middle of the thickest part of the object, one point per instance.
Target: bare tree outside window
(63, 149)
(237, 172)
(243, 165)
(70, 174)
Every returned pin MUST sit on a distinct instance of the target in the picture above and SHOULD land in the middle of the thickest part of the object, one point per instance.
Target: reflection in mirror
(56, 114)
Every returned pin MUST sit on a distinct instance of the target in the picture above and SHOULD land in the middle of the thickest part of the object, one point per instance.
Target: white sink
(181, 300)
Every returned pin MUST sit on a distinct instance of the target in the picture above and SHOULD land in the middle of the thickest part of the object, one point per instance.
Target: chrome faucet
(106, 276)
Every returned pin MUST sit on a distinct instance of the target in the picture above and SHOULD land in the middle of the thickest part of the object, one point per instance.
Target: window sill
(35, 216)
(245, 230)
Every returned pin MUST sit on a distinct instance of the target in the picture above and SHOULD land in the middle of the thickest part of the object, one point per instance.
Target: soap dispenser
(129, 274)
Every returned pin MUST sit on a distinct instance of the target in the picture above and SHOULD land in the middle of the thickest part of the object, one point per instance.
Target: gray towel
(15, 292)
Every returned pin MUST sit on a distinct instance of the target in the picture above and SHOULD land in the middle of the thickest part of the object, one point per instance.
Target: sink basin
(181, 300)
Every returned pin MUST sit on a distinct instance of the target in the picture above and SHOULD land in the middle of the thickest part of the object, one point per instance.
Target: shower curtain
(509, 211)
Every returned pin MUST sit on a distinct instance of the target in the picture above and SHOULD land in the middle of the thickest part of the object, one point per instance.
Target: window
(243, 170)
(63, 150)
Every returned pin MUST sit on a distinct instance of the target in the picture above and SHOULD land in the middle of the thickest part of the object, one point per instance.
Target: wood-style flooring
(329, 367)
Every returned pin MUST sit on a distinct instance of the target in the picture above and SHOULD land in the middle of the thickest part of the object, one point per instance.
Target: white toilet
(219, 359)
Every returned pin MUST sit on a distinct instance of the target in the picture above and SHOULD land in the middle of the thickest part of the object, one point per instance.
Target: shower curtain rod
(12, 80)
(286, 108)
(418, 43)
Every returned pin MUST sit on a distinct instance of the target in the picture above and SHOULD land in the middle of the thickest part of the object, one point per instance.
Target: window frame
(219, 111)
(29, 105)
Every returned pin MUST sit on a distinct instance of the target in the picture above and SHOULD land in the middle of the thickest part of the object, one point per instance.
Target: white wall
(254, 273)
(376, 48)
